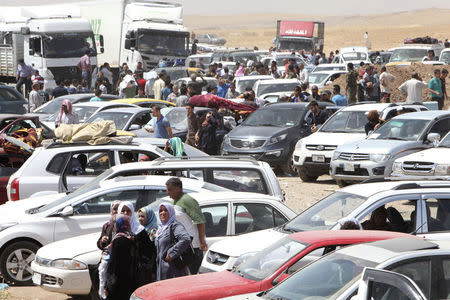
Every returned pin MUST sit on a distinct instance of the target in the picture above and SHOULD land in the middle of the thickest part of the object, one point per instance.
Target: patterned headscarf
(172, 218)
(122, 228)
(151, 222)
(177, 146)
(68, 104)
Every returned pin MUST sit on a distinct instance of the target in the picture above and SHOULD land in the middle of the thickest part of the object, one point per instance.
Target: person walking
(352, 85)
(413, 88)
(24, 73)
(85, 66)
(193, 125)
(191, 207)
(160, 126)
(435, 88)
(367, 40)
(386, 80)
(34, 98)
(168, 250)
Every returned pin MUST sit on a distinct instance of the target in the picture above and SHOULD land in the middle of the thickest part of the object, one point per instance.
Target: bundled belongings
(214, 101)
(421, 40)
(22, 141)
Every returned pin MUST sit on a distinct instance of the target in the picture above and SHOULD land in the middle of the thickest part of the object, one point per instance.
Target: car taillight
(14, 191)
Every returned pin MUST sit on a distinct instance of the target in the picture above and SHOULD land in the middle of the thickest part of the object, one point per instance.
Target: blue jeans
(22, 81)
(86, 75)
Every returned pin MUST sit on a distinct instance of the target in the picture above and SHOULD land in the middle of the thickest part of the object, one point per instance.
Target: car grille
(216, 258)
(321, 147)
(354, 156)
(47, 279)
(309, 160)
(357, 172)
(417, 166)
(247, 143)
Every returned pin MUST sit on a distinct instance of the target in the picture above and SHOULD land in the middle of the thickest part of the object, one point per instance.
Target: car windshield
(120, 119)
(83, 112)
(267, 261)
(278, 117)
(328, 68)
(90, 186)
(317, 78)
(50, 107)
(62, 45)
(400, 129)
(445, 142)
(408, 55)
(242, 84)
(275, 88)
(325, 279)
(241, 57)
(445, 57)
(300, 44)
(280, 60)
(346, 121)
(177, 119)
(354, 56)
(325, 214)
(162, 42)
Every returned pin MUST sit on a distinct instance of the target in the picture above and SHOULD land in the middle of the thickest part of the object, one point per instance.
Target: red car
(263, 270)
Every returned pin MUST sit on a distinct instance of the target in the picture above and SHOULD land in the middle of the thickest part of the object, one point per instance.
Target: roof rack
(161, 160)
(413, 185)
(58, 144)
(364, 102)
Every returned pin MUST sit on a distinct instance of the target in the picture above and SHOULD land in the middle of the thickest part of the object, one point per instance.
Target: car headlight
(134, 297)
(68, 264)
(335, 155)
(298, 145)
(379, 157)
(277, 139)
(3, 226)
(442, 170)
(397, 167)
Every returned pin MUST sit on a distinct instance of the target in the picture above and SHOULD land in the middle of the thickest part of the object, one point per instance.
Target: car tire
(305, 177)
(15, 262)
(288, 167)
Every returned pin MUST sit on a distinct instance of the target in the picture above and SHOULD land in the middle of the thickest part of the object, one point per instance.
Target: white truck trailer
(51, 41)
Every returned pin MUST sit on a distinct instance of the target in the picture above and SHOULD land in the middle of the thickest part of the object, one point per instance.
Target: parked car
(433, 162)
(313, 153)
(407, 54)
(244, 82)
(145, 102)
(420, 207)
(211, 82)
(161, 144)
(46, 168)
(385, 56)
(206, 57)
(337, 275)
(11, 101)
(242, 174)
(355, 55)
(128, 119)
(445, 56)
(270, 133)
(400, 136)
(211, 38)
(329, 67)
(262, 87)
(227, 214)
(324, 78)
(264, 269)
(241, 56)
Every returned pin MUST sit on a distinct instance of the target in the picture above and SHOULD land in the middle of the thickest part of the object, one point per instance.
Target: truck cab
(300, 35)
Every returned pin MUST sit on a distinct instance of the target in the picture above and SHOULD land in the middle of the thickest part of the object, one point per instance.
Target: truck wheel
(15, 262)
(305, 177)
(288, 167)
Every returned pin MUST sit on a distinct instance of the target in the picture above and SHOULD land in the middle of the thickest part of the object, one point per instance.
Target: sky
(327, 7)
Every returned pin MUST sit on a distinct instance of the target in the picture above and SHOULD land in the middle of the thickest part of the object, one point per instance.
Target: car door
(442, 127)
(435, 216)
(92, 212)
(381, 284)
(218, 221)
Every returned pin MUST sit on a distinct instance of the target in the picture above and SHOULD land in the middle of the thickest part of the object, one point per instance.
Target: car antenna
(420, 227)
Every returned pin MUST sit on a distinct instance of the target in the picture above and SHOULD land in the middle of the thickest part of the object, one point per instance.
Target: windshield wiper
(291, 230)
(271, 125)
(395, 138)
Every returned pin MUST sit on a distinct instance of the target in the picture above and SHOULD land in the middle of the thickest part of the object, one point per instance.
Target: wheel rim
(292, 166)
(18, 264)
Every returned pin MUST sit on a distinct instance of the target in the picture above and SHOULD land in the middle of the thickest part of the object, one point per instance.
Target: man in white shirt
(35, 99)
(303, 74)
(158, 86)
(386, 79)
(413, 89)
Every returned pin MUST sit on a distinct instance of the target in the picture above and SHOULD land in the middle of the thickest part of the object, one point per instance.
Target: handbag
(186, 258)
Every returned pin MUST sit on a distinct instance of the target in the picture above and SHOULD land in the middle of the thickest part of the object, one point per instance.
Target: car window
(442, 127)
(216, 217)
(249, 217)
(9, 95)
(438, 214)
(240, 180)
(142, 119)
(195, 174)
(399, 216)
(308, 258)
(57, 163)
(135, 156)
(102, 204)
(419, 271)
(89, 163)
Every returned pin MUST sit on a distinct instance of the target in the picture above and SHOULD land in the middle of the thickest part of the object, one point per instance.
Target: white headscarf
(136, 227)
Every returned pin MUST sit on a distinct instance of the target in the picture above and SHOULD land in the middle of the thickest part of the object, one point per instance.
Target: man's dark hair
(191, 105)
(436, 71)
(361, 64)
(313, 103)
(383, 69)
(304, 86)
(298, 88)
(350, 225)
(183, 89)
(377, 53)
(156, 107)
(337, 88)
(59, 82)
(98, 92)
(87, 52)
(350, 66)
(415, 75)
(161, 75)
(21, 61)
(444, 71)
(175, 182)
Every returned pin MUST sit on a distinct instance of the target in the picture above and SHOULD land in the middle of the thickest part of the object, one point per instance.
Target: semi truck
(299, 35)
(51, 41)
(138, 31)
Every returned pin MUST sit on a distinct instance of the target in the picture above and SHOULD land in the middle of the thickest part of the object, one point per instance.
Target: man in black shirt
(318, 116)
(60, 90)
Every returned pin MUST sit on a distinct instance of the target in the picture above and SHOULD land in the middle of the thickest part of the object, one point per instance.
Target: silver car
(374, 156)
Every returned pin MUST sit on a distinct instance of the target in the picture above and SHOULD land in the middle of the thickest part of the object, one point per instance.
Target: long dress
(164, 269)
(146, 256)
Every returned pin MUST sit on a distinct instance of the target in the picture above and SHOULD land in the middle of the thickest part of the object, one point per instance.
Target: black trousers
(22, 81)
(197, 262)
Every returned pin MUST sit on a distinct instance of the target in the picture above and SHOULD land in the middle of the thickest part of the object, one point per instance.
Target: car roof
(153, 180)
(252, 77)
(139, 100)
(328, 72)
(424, 115)
(302, 105)
(133, 110)
(103, 104)
(378, 106)
(209, 196)
(85, 95)
(275, 81)
(331, 65)
(312, 237)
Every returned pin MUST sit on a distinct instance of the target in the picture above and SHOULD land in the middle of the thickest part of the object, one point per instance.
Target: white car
(262, 87)
(312, 154)
(227, 214)
(354, 55)
(422, 207)
(31, 223)
(445, 56)
(433, 162)
(58, 167)
(324, 78)
(244, 82)
(329, 67)
(407, 54)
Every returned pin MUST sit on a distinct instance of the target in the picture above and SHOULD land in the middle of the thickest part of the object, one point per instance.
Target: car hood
(437, 155)
(201, 286)
(256, 131)
(332, 138)
(250, 242)
(15, 211)
(374, 146)
(71, 248)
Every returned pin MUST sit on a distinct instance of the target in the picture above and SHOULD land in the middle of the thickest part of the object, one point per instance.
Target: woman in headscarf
(120, 274)
(145, 249)
(106, 235)
(174, 146)
(148, 219)
(167, 249)
(66, 116)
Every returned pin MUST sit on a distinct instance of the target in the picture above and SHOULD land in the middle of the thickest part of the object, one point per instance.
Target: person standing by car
(148, 219)
(386, 79)
(167, 250)
(191, 207)
(24, 73)
(66, 116)
(159, 85)
(318, 116)
(413, 88)
(222, 88)
(352, 87)
(338, 98)
(35, 99)
(159, 124)
(207, 141)
(435, 88)
(193, 125)
(371, 84)
(374, 121)
(106, 235)
(85, 66)
(444, 74)
(196, 85)
(59, 90)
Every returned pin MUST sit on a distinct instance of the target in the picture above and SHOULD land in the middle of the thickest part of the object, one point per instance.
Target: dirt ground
(299, 196)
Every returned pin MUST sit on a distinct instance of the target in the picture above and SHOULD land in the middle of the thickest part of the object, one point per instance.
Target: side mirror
(101, 41)
(127, 44)
(433, 137)
(67, 211)
(134, 127)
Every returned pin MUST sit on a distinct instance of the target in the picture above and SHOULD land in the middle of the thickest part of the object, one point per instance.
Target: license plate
(37, 278)
(348, 167)
(318, 158)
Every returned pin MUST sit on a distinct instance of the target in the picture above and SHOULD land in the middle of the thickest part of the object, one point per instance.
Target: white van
(405, 55)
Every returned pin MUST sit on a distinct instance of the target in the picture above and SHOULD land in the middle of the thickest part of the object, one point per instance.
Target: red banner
(296, 28)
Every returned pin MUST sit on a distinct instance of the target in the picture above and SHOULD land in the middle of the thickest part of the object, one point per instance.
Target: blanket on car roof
(214, 101)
